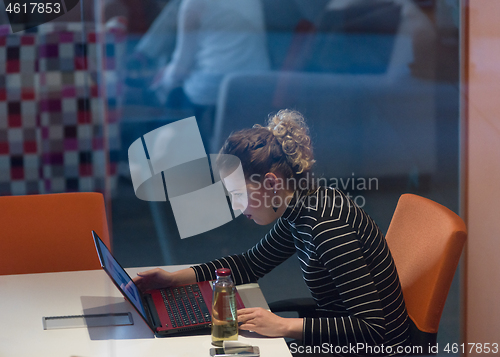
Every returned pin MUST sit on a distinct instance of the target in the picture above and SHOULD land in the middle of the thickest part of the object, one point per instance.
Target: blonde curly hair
(282, 146)
(290, 129)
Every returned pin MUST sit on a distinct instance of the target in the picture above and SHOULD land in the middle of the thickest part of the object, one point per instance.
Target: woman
(343, 255)
(214, 38)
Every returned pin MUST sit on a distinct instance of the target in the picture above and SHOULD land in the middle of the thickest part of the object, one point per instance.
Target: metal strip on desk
(75, 321)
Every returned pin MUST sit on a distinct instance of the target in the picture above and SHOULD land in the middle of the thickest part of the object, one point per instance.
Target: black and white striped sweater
(346, 265)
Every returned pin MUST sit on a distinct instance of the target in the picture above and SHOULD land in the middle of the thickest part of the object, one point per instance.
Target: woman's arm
(158, 278)
(183, 58)
(248, 267)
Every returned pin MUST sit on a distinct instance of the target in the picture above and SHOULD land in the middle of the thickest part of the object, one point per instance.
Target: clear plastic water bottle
(224, 317)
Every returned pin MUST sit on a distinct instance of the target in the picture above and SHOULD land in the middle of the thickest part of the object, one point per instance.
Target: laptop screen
(119, 276)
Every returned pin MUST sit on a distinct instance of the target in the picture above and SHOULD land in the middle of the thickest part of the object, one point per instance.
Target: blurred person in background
(213, 38)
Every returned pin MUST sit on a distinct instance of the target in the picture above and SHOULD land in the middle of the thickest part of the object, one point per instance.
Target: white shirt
(214, 38)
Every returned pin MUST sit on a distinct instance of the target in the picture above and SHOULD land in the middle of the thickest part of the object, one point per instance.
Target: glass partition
(376, 80)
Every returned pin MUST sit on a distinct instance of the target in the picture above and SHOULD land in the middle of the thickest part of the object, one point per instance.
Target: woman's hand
(266, 323)
(158, 278)
(153, 279)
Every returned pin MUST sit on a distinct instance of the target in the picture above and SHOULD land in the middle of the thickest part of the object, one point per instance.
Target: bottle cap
(223, 272)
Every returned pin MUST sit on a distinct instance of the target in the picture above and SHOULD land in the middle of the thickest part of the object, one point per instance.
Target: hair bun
(291, 131)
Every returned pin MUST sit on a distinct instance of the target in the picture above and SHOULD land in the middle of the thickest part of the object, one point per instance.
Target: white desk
(25, 299)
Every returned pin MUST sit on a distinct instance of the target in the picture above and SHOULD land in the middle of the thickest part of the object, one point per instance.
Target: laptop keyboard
(185, 305)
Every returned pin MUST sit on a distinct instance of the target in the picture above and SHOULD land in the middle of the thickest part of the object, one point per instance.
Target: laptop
(167, 311)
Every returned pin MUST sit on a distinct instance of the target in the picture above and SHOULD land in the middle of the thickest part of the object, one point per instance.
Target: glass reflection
(377, 81)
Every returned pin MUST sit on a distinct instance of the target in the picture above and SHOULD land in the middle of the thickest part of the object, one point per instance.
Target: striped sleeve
(248, 267)
(338, 249)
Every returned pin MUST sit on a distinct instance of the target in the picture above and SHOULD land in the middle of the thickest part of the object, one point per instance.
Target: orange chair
(51, 233)
(426, 241)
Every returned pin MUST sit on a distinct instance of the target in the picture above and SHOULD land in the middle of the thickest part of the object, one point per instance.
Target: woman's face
(251, 198)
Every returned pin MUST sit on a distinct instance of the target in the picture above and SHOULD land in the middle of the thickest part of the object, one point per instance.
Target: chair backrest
(390, 146)
(51, 233)
(426, 241)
